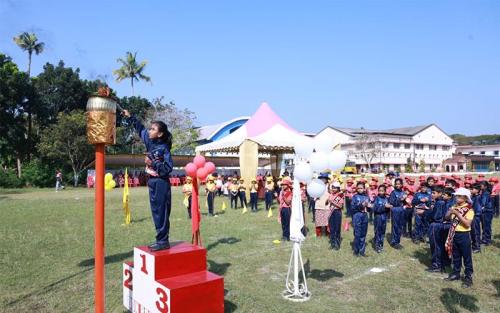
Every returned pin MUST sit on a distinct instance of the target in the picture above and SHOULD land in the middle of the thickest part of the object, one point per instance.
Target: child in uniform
(380, 208)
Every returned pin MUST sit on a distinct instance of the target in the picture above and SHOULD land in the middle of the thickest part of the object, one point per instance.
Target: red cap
(421, 178)
(480, 175)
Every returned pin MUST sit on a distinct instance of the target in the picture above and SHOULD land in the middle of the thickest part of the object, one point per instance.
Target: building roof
(404, 131)
(206, 133)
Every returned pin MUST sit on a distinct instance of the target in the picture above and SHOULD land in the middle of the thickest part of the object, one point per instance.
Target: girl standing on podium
(159, 164)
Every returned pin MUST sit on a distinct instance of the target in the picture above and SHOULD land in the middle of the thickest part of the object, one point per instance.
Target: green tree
(409, 166)
(130, 69)
(14, 85)
(29, 42)
(66, 141)
(421, 166)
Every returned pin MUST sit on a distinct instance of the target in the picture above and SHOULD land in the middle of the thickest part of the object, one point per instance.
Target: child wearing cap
(187, 190)
(233, 193)
(336, 203)
(285, 202)
(458, 242)
(210, 189)
(242, 193)
(487, 212)
(269, 192)
(495, 194)
(254, 187)
(350, 189)
(360, 206)
(372, 194)
(476, 222)
(380, 208)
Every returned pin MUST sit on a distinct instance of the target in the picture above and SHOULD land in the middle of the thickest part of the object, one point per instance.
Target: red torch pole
(99, 228)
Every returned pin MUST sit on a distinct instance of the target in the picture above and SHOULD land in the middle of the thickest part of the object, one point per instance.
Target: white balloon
(303, 147)
(319, 161)
(324, 143)
(303, 172)
(316, 188)
(336, 160)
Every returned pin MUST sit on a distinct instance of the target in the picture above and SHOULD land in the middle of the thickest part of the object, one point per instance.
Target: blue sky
(372, 64)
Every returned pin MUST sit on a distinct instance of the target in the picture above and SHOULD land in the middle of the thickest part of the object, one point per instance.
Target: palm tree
(28, 42)
(130, 69)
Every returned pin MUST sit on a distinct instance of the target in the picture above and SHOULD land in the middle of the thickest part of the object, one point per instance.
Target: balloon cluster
(313, 157)
(199, 168)
(109, 182)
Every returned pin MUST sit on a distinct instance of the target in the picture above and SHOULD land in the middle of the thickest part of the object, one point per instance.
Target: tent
(265, 132)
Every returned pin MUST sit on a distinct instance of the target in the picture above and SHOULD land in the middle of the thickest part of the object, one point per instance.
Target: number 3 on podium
(161, 304)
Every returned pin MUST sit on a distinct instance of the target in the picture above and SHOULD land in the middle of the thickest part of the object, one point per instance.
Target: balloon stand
(296, 290)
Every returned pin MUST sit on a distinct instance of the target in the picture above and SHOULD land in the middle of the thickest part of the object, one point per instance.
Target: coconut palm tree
(131, 69)
(29, 42)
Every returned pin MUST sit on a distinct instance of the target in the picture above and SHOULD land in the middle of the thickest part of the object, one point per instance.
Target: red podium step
(174, 279)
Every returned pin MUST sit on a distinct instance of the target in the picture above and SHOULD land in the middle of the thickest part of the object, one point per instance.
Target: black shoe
(397, 246)
(467, 283)
(452, 277)
(433, 270)
(363, 255)
(158, 247)
(378, 250)
(152, 245)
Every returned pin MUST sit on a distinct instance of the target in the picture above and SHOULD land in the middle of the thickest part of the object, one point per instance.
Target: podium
(173, 280)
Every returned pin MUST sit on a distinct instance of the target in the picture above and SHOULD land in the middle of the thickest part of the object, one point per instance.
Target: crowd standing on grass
(452, 215)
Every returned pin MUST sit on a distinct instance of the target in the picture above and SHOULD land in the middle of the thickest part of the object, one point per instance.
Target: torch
(101, 131)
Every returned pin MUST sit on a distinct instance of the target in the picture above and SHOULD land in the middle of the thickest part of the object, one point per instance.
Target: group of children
(451, 214)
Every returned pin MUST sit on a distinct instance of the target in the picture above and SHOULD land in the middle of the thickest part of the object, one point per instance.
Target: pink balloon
(202, 173)
(199, 161)
(190, 169)
(210, 167)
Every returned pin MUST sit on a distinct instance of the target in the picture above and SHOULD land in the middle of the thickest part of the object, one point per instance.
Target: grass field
(47, 260)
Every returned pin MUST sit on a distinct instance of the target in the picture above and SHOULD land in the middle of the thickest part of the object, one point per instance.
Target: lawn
(47, 260)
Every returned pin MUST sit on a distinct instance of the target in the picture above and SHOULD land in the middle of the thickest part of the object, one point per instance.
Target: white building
(488, 150)
(390, 149)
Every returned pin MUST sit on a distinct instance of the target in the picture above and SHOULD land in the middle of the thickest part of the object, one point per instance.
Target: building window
(483, 152)
(386, 145)
(396, 145)
(407, 146)
(433, 147)
(419, 147)
(495, 152)
(446, 148)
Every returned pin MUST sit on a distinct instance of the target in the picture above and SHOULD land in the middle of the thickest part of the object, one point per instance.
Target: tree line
(42, 118)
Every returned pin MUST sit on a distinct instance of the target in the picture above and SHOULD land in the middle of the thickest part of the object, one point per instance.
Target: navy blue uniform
(476, 223)
(397, 215)
(487, 216)
(380, 220)
(160, 197)
(436, 216)
(360, 222)
(421, 221)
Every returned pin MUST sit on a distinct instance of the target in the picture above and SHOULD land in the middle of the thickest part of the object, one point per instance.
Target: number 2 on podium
(128, 281)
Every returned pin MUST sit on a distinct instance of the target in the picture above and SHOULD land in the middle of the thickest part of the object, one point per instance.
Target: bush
(39, 174)
(8, 179)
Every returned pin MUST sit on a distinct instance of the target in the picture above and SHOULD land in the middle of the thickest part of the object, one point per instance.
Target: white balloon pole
(296, 290)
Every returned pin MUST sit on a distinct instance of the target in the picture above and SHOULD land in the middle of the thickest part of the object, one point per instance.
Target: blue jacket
(476, 205)
(395, 198)
(485, 201)
(357, 202)
(379, 205)
(158, 151)
(438, 211)
(417, 199)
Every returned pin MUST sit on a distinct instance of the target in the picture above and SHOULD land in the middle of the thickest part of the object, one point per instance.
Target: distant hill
(476, 140)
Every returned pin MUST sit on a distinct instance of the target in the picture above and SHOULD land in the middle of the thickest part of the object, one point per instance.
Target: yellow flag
(223, 206)
(270, 213)
(126, 208)
(244, 210)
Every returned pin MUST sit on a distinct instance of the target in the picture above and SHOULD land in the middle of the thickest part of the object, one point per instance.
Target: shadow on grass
(48, 288)
(229, 306)
(423, 257)
(496, 284)
(227, 241)
(320, 275)
(453, 299)
(108, 259)
(218, 268)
